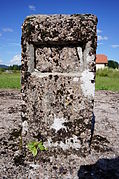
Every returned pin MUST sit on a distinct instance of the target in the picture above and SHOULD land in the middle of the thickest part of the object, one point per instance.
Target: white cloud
(1, 61)
(99, 31)
(0, 34)
(16, 60)
(7, 30)
(115, 46)
(100, 43)
(102, 38)
(32, 7)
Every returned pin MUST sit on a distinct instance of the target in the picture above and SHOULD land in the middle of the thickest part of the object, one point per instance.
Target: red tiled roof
(100, 58)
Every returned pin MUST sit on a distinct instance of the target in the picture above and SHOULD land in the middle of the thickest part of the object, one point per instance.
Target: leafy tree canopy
(113, 64)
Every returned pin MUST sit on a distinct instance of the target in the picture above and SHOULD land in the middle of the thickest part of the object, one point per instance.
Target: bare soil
(103, 160)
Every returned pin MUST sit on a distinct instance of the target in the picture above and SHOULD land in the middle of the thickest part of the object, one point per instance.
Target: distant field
(107, 79)
(10, 80)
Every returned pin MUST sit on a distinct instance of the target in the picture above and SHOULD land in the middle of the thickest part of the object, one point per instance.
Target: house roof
(101, 59)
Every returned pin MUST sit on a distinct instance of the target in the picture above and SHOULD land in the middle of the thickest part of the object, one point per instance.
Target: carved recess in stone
(58, 73)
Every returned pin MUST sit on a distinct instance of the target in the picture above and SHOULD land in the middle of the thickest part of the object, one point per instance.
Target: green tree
(113, 64)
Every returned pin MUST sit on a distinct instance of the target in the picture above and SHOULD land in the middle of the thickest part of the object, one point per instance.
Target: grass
(10, 80)
(107, 79)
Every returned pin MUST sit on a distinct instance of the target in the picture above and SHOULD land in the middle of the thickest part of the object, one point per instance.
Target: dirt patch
(102, 162)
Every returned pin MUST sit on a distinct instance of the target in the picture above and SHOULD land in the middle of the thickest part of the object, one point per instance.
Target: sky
(14, 12)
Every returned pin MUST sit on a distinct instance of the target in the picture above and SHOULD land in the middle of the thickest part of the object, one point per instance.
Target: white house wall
(100, 66)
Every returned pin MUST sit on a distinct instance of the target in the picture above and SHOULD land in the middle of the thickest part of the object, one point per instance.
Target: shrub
(108, 72)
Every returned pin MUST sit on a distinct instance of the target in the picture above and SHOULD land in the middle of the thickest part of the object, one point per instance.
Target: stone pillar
(58, 85)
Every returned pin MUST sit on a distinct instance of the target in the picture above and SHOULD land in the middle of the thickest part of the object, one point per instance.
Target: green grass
(107, 79)
(106, 83)
(10, 80)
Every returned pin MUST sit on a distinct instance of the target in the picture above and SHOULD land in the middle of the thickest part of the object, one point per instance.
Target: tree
(14, 67)
(113, 64)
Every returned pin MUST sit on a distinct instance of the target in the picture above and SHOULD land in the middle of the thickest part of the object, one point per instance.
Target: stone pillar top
(59, 29)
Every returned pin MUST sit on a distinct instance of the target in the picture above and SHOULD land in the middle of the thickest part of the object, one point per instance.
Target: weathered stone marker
(58, 72)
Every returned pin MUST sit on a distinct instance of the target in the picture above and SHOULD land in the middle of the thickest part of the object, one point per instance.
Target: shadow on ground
(102, 169)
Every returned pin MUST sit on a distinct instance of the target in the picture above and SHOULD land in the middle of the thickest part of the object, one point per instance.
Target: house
(101, 61)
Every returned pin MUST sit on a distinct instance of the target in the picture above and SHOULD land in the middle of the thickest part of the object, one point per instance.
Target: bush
(2, 70)
(108, 72)
(102, 72)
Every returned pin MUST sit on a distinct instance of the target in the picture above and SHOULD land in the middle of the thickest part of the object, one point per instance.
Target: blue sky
(13, 13)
